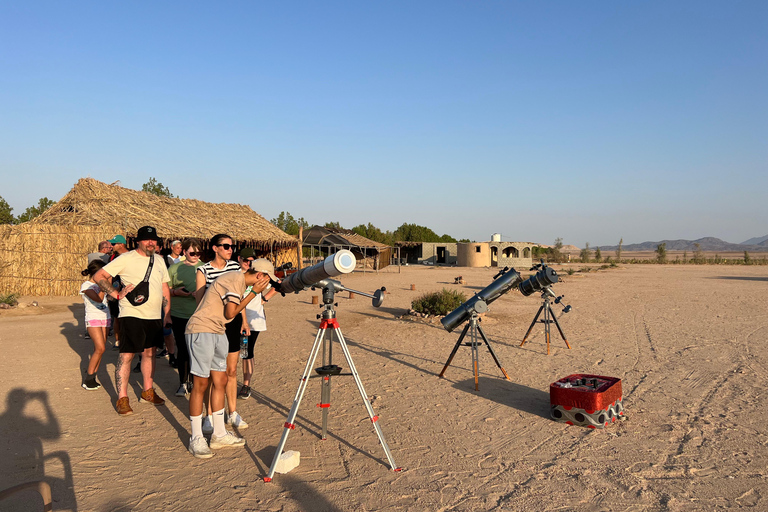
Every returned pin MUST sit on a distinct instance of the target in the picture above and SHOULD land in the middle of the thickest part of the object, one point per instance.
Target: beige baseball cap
(264, 265)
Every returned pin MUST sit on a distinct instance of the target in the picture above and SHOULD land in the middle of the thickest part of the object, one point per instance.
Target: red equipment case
(592, 401)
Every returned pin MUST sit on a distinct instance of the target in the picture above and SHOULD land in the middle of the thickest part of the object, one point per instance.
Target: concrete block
(287, 461)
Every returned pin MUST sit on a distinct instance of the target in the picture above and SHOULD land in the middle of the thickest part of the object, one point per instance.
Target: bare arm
(104, 280)
(200, 288)
(231, 310)
(166, 303)
(93, 295)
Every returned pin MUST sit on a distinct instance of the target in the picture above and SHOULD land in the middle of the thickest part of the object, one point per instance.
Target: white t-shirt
(254, 312)
(94, 310)
(131, 267)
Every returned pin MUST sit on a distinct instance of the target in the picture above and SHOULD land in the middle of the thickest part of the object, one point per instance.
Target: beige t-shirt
(209, 315)
(131, 267)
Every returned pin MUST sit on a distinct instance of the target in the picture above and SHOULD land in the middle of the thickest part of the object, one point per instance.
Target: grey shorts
(207, 353)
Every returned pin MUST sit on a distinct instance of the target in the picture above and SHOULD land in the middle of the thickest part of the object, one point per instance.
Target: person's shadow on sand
(24, 459)
(509, 393)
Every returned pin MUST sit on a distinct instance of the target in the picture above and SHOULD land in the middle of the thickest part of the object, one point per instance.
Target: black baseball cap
(147, 233)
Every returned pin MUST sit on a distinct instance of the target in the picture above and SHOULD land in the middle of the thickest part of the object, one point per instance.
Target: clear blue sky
(582, 120)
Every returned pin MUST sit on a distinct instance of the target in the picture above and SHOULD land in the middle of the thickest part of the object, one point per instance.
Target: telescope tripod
(549, 317)
(324, 339)
(473, 327)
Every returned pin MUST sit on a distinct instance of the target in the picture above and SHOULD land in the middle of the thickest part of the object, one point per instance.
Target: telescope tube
(342, 262)
(480, 300)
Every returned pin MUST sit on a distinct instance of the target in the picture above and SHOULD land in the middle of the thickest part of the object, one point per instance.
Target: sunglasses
(226, 247)
(192, 253)
(248, 261)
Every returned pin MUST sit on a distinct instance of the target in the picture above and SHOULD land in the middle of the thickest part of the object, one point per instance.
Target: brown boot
(149, 395)
(123, 407)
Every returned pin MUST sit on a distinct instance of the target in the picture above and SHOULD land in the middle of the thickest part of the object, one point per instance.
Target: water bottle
(243, 347)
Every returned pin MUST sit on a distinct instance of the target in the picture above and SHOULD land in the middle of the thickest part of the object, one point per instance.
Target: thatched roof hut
(45, 255)
(369, 253)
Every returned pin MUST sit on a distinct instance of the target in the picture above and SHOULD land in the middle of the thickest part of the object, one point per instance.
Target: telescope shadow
(514, 395)
(741, 278)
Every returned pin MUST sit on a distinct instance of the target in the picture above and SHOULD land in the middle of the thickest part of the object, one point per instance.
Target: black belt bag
(140, 293)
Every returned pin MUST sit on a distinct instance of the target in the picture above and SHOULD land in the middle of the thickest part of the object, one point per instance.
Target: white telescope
(342, 262)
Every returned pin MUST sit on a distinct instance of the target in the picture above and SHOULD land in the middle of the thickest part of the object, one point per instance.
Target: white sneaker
(199, 448)
(228, 439)
(182, 391)
(237, 421)
(207, 425)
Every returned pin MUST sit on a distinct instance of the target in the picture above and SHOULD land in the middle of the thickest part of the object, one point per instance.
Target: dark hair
(93, 267)
(190, 242)
(218, 238)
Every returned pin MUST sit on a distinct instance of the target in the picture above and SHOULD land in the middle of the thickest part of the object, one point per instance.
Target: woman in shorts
(97, 321)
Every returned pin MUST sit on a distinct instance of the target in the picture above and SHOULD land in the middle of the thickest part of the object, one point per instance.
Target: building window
(477, 249)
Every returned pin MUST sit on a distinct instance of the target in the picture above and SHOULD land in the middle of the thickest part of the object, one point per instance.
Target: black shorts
(252, 343)
(233, 329)
(137, 334)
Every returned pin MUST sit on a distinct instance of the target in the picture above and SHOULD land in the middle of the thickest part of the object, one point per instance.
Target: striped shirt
(211, 273)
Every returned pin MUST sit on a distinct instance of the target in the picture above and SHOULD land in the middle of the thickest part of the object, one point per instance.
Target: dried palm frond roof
(320, 235)
(93, 203)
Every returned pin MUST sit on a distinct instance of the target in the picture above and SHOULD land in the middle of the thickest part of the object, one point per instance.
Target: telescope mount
(549, 316)
(324, 339)
(474, 329)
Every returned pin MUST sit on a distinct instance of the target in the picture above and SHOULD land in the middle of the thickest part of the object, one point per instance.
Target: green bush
(438, 303)
(11, 298)
(570, 271)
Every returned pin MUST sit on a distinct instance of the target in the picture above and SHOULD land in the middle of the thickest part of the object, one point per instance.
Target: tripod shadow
(392, 313)
(509, 393)
(741, 278)
(267, 454)
(307, 497)
(392, 355)
(26, 461)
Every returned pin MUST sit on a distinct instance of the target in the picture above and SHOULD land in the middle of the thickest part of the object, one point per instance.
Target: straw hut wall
(45, 255)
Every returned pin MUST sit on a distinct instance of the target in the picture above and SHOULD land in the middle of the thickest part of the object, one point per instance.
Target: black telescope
(503, 282)
(341, 262)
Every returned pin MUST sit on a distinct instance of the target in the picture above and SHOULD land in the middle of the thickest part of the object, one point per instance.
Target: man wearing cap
(144, 309)
(208, 348)
(118, 248)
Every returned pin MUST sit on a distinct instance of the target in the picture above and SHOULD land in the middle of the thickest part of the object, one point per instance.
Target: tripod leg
(547, 312)
(473, 337)
(562, 335)
(493, 354)
(325, 403)
(453, 352)
(366, 402)
(525, 338)
(289, 425)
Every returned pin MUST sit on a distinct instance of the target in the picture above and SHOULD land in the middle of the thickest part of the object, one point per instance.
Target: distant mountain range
(707, 244)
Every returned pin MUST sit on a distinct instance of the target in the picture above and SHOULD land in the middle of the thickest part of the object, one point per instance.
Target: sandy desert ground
(688, 342)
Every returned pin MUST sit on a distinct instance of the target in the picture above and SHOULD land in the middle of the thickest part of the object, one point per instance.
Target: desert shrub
(585, 269)
(603, 267)
(9, 298)
(570, 271)
(613, 264)
(438, 303)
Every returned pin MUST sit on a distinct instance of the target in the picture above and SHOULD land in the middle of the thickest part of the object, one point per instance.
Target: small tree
(661, 253)
(287, 223)
(747, 259)
(6, 217)
(557, 251)
(698, 254)
(618, 250)
(155, 187)
(33, 211)
(585, 254)
(685, 257)
(598, 255)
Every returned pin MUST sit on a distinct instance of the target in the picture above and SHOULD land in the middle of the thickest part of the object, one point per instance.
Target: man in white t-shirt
(144, 309)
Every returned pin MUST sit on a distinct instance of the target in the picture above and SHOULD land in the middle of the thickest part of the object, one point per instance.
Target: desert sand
(688, 342)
